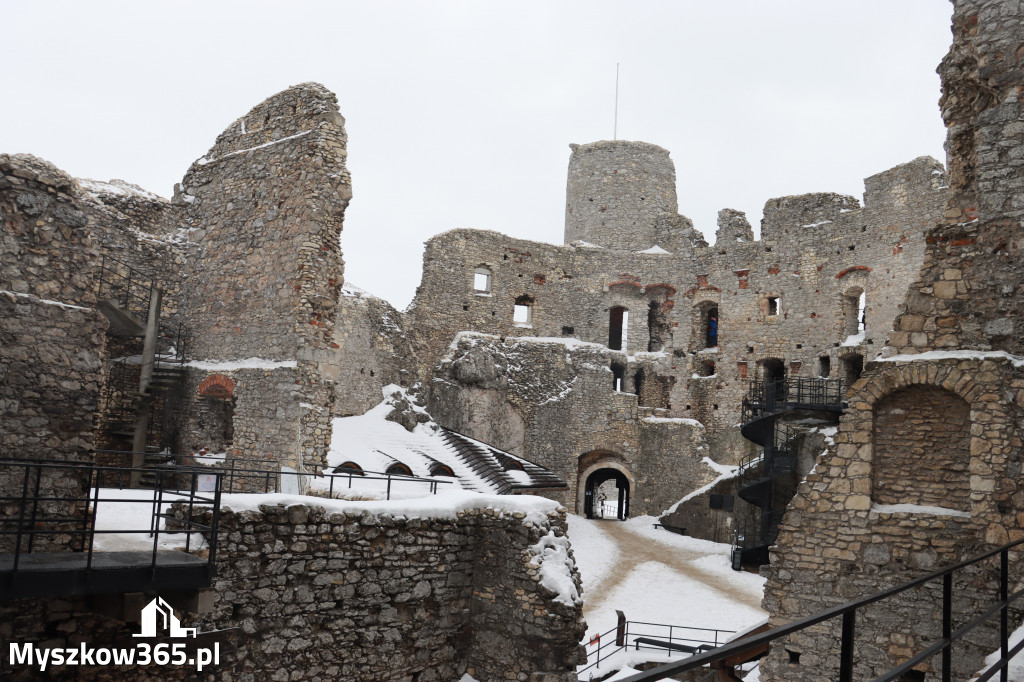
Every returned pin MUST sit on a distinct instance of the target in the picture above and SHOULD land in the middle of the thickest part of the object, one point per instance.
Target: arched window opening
(618, 376)
(854, 311)
(349, 468)
(522, 314)
(438, 469)
(398, 469)
(711, 327)
(618, 327)
(482, 280)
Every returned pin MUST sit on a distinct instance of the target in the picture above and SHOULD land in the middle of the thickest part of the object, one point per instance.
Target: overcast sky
(460, 113)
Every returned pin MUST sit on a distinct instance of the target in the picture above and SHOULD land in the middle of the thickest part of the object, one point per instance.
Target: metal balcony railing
(239, 475)
(51, 542)
(943, 647)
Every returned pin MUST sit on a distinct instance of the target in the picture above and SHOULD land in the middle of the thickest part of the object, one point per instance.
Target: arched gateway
(603, 478)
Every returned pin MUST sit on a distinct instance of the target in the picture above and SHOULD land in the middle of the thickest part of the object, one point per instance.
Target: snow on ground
(654, 576)
(132, 510)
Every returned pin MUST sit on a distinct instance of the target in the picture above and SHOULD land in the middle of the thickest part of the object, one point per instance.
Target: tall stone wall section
(954, 351)
(817, 254)
(373, 351)
(553, 403)
(264, 208)
(361, 597)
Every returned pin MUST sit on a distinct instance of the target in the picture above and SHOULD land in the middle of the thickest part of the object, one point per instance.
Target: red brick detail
(702, 281)
(794, 367)
(217, 386)
(539, 279)
(773, 269)
(847, 271)
(742, 367)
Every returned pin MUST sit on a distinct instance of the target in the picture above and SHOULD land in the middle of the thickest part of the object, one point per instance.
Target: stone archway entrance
(598, 484)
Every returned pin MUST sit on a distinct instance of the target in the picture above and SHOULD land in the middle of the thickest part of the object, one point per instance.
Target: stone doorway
(607, 495)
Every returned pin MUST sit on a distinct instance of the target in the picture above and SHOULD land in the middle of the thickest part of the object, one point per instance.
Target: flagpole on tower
(615, 129)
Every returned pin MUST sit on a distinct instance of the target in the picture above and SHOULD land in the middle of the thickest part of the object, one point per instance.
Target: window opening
(568, 331)
(707, 368)
(618, 328)
(862, 312)
(618, 376)
(441, 470)
(854, 366)
(774, 306)
(398, 469)
(824, 366)
(349, 468)
(711, 328)
(522, 314)
(482, 280)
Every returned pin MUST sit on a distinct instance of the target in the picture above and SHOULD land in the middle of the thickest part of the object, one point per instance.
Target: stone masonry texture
(356, 597)
(939, 431)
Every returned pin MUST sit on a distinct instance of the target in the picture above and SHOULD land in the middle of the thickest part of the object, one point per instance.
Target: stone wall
(265, 206)
(264, 210)
(817, 255)
(934, 422)
(554, 403)
(358, 596)
(373, 351)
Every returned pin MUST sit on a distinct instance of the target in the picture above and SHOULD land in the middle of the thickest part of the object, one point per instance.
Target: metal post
(846, 652)
(947, 627)
(1004, 626)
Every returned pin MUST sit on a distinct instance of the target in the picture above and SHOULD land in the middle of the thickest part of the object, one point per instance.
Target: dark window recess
(824, 366)
(618, 376)
(616, 324)
(568, 331)
(716, 501)
(794, 656)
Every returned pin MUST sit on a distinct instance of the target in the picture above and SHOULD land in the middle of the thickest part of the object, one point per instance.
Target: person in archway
(712, 331)
(600, 504)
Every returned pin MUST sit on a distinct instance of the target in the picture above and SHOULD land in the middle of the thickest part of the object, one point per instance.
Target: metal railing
(128, 287)
(238, 475)
(943, 646)
(625, 635)
(50, 506)
(783, 394)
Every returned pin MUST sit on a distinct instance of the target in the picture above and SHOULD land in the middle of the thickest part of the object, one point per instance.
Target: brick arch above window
(217, 386)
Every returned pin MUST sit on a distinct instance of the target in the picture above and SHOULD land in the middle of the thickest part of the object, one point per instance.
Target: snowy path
(654, 576)
(634, 550)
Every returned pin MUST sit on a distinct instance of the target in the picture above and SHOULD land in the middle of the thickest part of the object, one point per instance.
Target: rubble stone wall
(554, 403)
(373, 351)
(355, 596)
(265, 205)
(817, 254)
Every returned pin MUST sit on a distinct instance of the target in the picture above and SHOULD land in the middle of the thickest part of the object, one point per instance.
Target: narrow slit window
(774, 306)
(618, 328)
(618, 376)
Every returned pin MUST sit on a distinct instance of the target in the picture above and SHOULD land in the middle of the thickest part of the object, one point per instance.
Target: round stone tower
(617, 192)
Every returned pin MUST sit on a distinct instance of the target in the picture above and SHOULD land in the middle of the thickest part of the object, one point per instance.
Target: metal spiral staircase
(768, 479)
(148, 365)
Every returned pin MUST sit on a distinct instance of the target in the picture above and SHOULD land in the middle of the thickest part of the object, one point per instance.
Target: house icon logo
(158, 614)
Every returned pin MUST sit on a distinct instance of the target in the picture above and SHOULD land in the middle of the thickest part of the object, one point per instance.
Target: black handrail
(127, 286)
(64, 512)
(624, 636)
(240, 478)
(848, 613)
